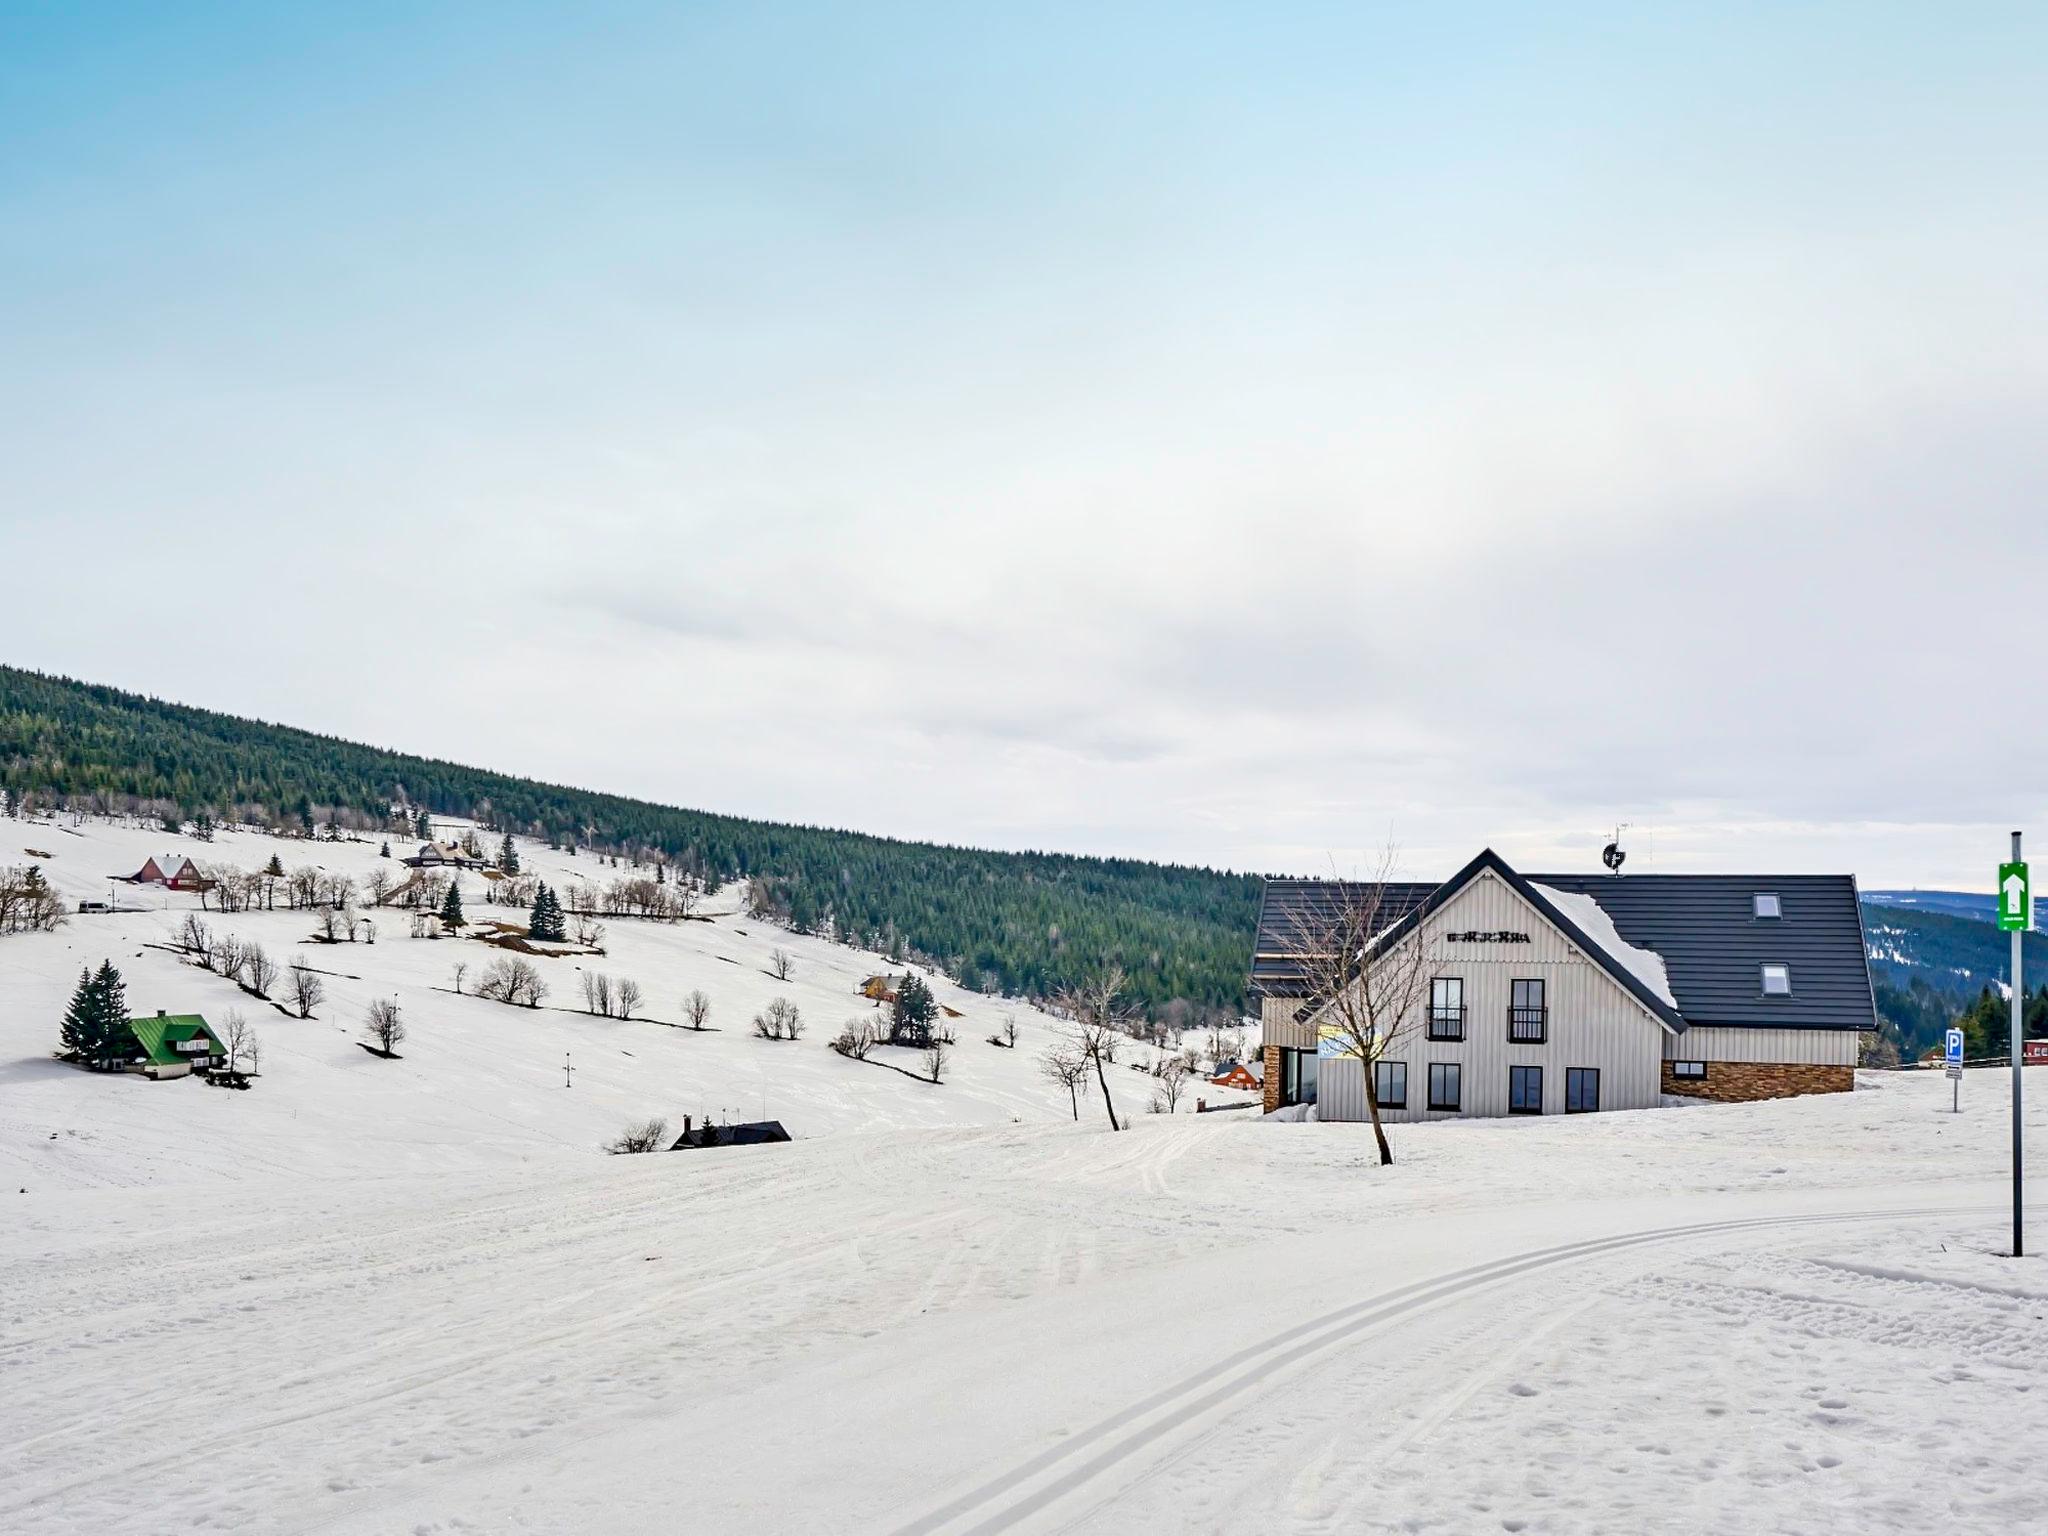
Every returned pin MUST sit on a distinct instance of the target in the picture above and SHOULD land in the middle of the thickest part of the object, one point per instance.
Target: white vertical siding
(1802, 1047)
(1594, 1022)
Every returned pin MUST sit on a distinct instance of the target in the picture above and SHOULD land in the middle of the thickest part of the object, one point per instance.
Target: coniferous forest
(1026, 923)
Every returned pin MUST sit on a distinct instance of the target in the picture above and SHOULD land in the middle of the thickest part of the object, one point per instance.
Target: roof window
(1777, 980)
(1766, 904)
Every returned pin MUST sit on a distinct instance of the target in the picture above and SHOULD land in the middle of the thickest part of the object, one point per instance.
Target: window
(1581, 1090)
(1444, 1084)
(1528, 1018)
(1297, 1077)
(1766, 904)
(1777, 981)
(1390, 1084)
(1525, 1090)
(1447, 1008)
(1688, 1069)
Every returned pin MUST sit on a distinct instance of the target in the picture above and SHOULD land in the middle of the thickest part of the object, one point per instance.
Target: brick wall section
(1739, 1082)
(1271, 1059)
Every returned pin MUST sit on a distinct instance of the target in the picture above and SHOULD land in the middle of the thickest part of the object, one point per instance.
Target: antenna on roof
(1612, 855)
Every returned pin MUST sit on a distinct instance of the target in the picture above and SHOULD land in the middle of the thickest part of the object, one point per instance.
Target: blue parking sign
(1955, 1047)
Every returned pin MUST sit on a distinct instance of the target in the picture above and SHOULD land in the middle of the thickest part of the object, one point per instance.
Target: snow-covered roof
(1646, 965)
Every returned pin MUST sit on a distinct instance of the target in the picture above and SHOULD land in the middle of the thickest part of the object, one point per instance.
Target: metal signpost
(2015, 916)
(1955, 1071)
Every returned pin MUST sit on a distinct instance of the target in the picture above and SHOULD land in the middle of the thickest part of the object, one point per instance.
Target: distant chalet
(172, 871)
(1563, 994)
(753, 1133)
(443, 856)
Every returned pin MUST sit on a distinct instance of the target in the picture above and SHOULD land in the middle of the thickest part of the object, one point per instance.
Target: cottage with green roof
(174, 1044)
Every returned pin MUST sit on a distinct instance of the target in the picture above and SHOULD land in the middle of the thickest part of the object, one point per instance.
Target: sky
(1252, 435)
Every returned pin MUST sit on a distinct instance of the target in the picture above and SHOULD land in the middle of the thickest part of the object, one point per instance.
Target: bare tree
(1009, 1030)
(1365, 980)
(597, 994)
(780, 1020)
(259, 971)
(936, 1055)
(626, 994)
(461, 970)
(780, 963)
(196, 939)
(697, 1009)
(514, 982)
(648, 1136)
(1172, 1072)
(1097, 1018)
(856, 1038)
(229, 956)
(1068, 1068)
(239, 1039)
(303, 988)
(384, 1025)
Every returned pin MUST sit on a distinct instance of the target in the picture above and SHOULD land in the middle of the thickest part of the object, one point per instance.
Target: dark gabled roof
(753, 1133)
(1291, 913)
(1715, 949)
(1701, 926)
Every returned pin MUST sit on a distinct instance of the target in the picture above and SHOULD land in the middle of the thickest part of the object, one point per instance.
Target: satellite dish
(1612, 856)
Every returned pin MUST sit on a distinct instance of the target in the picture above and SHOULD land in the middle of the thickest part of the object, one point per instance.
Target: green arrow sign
(2015, 900)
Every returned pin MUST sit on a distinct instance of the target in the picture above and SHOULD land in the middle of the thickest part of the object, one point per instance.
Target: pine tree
(422, 828)
(546, 922)
(80, 1030)
(911, 1022)
(451, 906)
(275, 868)
(508, 856)
(112, 1012)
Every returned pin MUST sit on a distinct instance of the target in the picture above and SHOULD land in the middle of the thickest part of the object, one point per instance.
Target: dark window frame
(1678, 1070)
(1525, 1016)
(1574, 1077)
(1384, 1101)
(1291, 1062)
(1452, 1072)
(1756, 900)
(1513, 1072)
(1447, 1020)
(1763, 977)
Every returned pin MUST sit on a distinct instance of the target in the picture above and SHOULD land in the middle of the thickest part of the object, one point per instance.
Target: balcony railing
(1528, 1026)
(1446, 1021)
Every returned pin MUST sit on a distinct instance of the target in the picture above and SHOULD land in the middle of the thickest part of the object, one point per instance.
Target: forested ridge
(1026, 922)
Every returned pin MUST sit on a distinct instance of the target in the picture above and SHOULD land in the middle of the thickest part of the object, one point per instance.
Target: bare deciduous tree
(1365, 983)
(856, 1038)
(780, 963)
(936, 1055)
(384, 1025)
(1097, 1018)
(461, 970)
(780, 1020)
(1068, 1068)
(1172, 1072)
(626, 994)
(648, 1136)
(697, 1009)
(514, 982)
(303, 988)
(259, 971)
(196, 939)
(239, 1039)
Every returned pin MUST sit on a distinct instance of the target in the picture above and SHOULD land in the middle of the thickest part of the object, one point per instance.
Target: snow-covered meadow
(372, 1296)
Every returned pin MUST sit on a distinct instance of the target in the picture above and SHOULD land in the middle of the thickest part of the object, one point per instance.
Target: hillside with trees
(1024, 923)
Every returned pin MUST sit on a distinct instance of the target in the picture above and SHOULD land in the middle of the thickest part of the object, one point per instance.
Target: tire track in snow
(1025, 1490)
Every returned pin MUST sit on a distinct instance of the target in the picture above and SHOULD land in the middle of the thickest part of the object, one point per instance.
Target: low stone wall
(1739, 1082)
(1271, 1058)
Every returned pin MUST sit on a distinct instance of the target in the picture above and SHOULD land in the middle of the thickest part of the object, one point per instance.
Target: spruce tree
(911, 1021)
(275, 868)
(423, 828)
(546, 923)
(451, 906)
(508, 856)
(108, 1011)
(80, 1031)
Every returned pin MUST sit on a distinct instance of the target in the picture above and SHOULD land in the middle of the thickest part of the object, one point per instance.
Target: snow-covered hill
(479, 1082)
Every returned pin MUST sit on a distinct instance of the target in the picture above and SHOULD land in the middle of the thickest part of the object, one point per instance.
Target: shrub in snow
(780, 1020)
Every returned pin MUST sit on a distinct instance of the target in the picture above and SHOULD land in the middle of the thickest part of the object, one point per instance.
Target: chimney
(159, 1013)
(686, 1125)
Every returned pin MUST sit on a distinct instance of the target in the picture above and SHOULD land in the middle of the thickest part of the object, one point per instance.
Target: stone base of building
(1740, 1082)
(1271, 1060)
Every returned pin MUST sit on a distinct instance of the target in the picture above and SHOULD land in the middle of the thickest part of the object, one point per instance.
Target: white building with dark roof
(1560, 994)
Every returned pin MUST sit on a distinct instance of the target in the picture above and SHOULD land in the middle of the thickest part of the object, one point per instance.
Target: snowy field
(371, 1297)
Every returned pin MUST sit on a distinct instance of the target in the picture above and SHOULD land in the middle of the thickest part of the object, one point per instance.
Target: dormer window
(1765, 904)
(1777, 981)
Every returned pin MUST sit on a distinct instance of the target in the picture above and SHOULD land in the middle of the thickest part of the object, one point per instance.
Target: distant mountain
(1024, 923)
(1982, 907)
